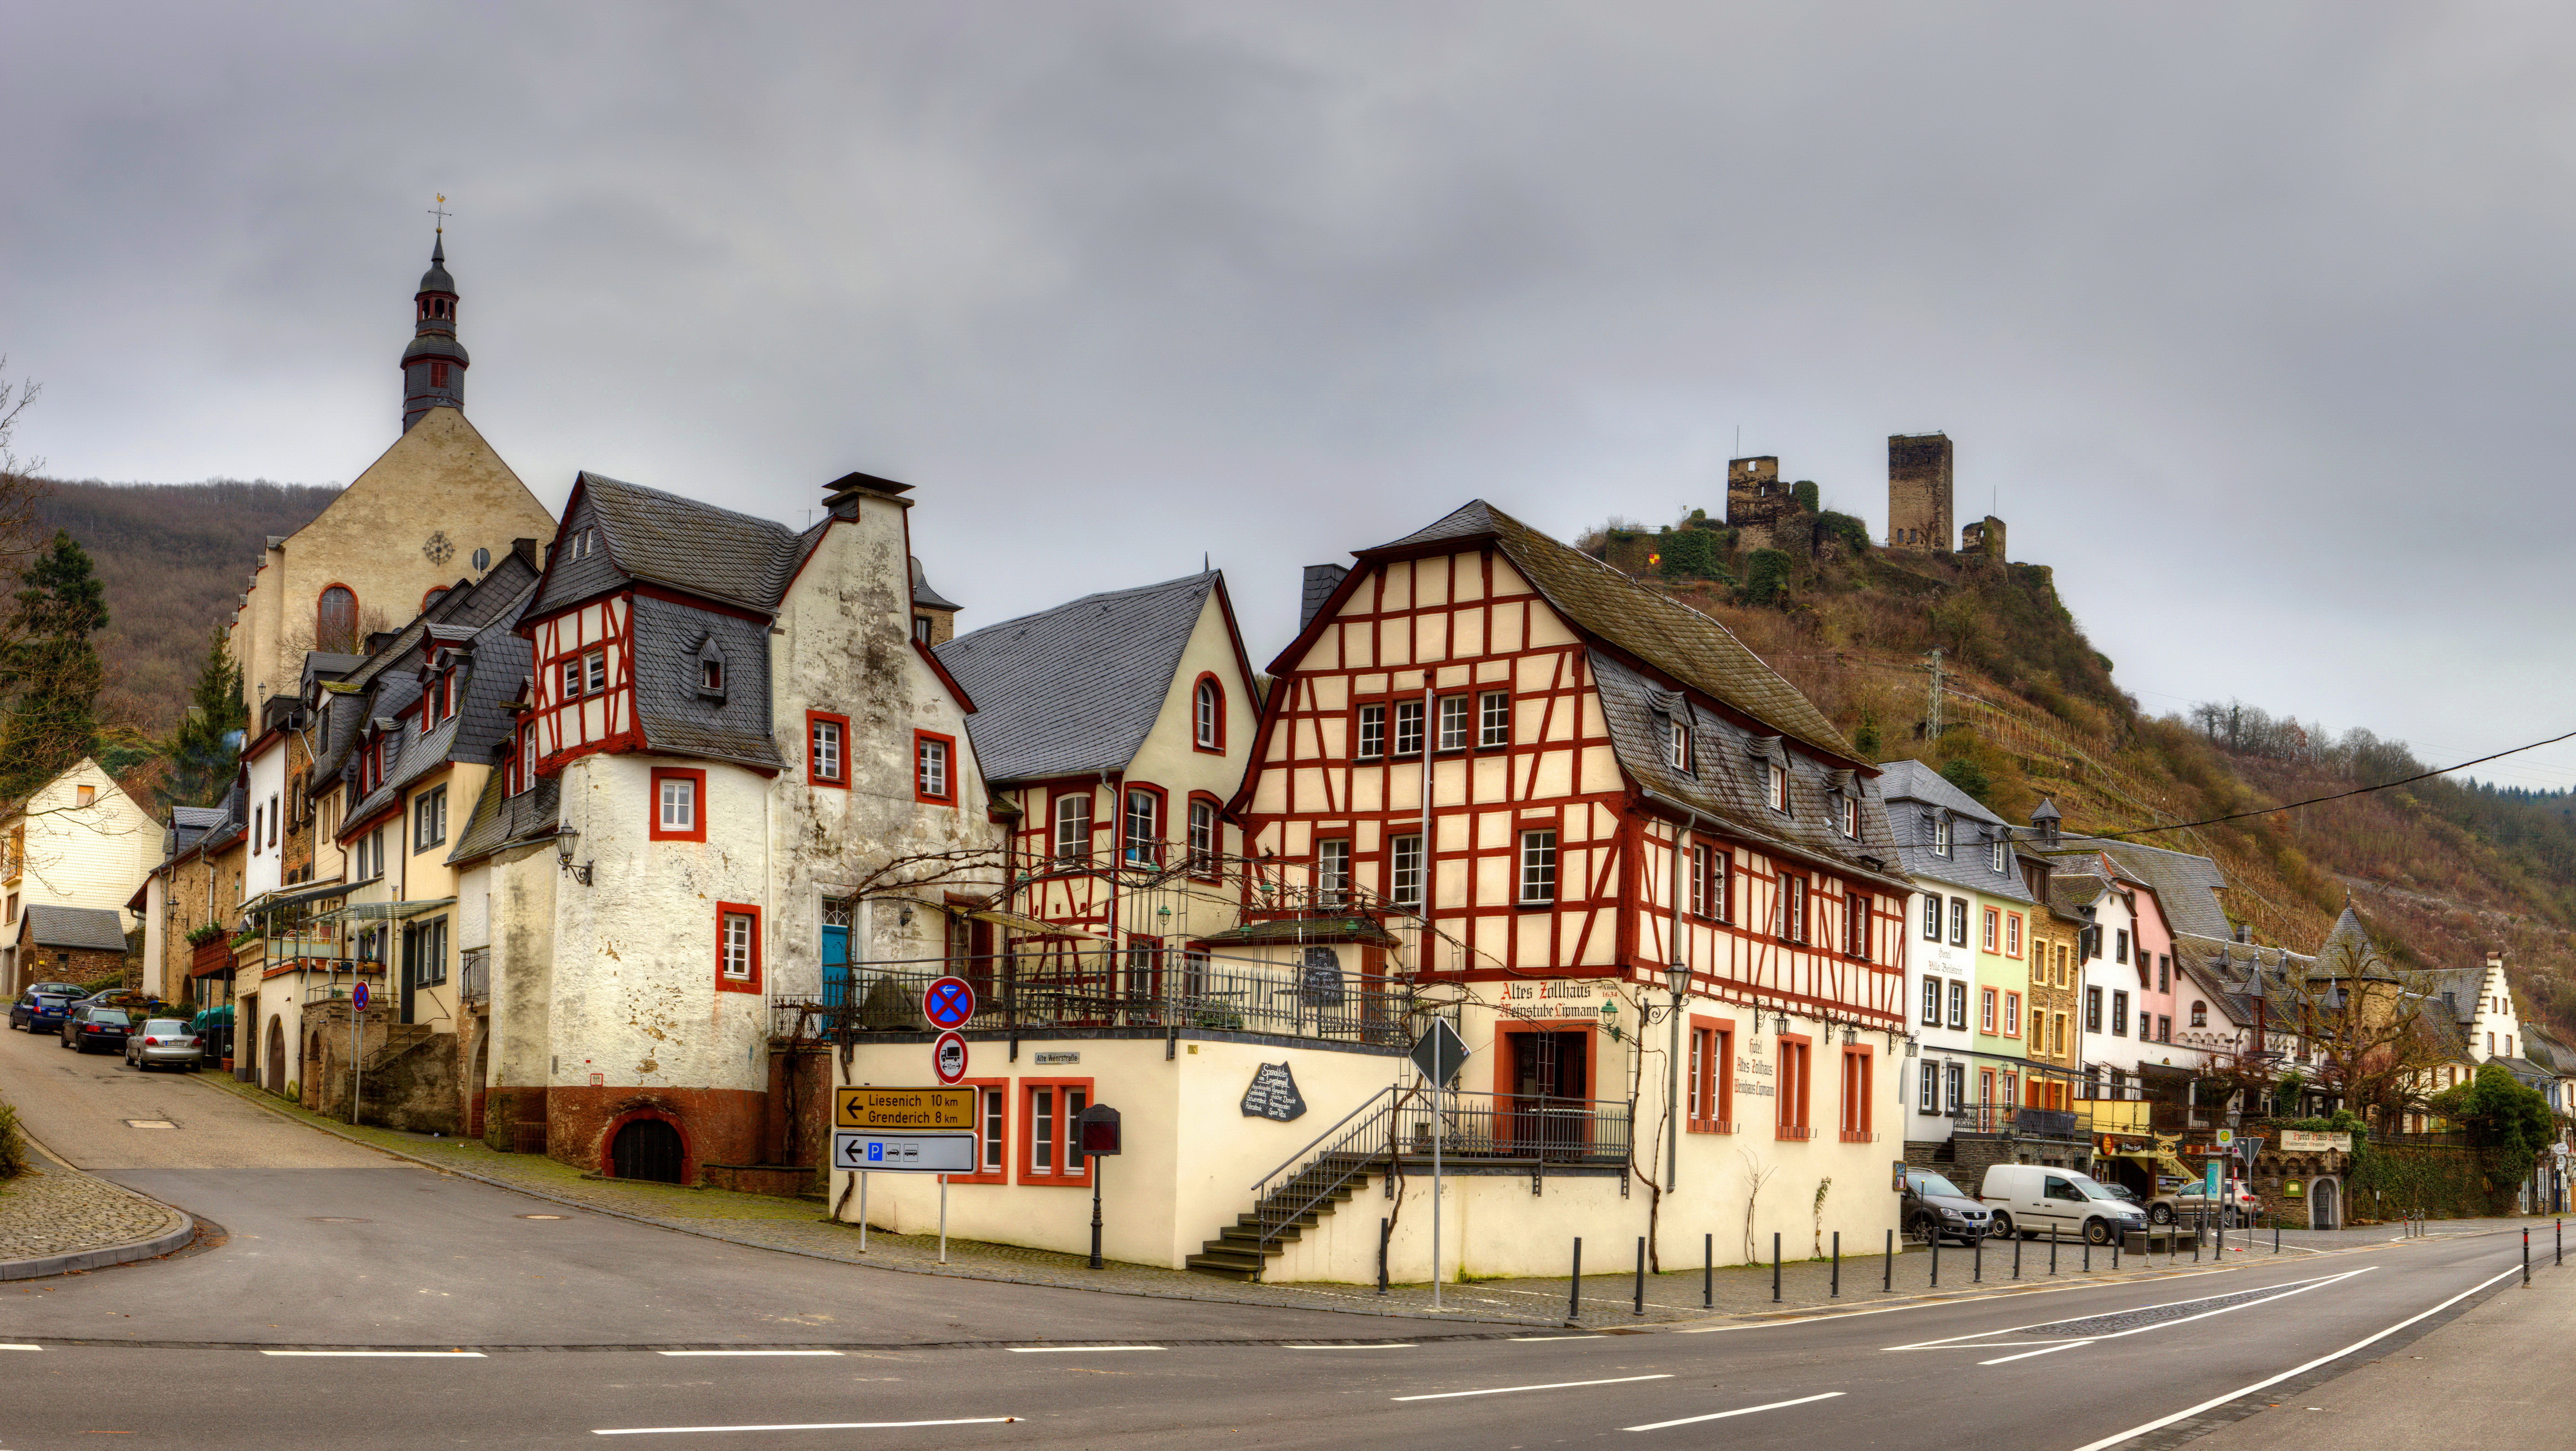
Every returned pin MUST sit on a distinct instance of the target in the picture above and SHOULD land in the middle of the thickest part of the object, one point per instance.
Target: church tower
(433, 366)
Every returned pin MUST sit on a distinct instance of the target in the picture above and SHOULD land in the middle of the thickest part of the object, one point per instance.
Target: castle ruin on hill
(1767, 514)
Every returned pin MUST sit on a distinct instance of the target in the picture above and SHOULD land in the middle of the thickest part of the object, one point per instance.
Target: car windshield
(166, 1025)
(2093, 1190)
(1935, 1184)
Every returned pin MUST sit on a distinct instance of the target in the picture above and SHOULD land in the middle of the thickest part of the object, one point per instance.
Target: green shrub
(13, 1145)
(1968, 776)
(1846, 530)
(1803, 494)
(1767, 573)
(1688, 554)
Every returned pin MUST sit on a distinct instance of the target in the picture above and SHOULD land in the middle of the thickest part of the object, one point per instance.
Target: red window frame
(1715, 1078)
(948, 746)
(1203, 865)
(1024, 1169)
(698, 795)
(813, 773)
(1207, 681)
(1859, 1082)
(1001, 1174)
(1792, 1081)
(725, 984)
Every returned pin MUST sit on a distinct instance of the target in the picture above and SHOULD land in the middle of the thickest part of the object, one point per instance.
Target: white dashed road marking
(1722, 1415)
(807, 1426)
(1560, 1385)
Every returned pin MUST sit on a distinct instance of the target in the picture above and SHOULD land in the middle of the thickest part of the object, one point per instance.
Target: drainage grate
(2152, 1315)
(149, 1123)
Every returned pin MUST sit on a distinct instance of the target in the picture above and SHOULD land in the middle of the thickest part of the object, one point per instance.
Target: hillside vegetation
(2441, 870)
(173, 558)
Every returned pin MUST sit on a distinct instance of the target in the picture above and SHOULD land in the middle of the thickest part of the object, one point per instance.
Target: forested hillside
(173, 558)
(2441, 870)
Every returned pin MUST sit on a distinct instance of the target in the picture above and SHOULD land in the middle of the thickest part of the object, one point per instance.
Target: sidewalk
(54, 1218)
(1609, 1284)
(2486, 1378)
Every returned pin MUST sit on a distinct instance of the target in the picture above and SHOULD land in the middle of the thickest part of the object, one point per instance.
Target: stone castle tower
(1918, 491)
(1756, 501)
(433, 367)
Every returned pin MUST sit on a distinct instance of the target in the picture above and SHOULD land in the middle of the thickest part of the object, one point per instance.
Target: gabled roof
(1077, 688)
(1912, 789)
(74, 929)
(2186, 886)
(2349, 952)
(500, 820)
(1646, 624)
(684, 544)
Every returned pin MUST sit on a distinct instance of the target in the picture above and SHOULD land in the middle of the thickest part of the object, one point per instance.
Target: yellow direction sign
(903, 1108)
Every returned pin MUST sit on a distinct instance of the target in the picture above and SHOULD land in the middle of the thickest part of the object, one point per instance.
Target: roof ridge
(1205, 578)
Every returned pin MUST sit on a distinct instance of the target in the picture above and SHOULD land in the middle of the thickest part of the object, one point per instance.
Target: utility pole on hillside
(1932, 711)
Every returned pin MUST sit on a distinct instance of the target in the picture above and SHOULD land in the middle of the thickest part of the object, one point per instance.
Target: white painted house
(77, 841)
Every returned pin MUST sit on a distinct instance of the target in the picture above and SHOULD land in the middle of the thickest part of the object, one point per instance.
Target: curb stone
(40, 1266)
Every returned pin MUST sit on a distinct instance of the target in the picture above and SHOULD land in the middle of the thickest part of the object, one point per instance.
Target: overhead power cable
(2337, 796)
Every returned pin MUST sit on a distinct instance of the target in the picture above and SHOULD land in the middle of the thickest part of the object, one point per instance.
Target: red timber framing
(577, 707)
(1424, 629)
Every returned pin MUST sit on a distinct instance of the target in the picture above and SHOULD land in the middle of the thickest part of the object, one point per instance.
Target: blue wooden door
(836, 966)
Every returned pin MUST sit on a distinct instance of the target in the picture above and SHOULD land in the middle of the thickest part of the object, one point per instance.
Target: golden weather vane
(440, 211)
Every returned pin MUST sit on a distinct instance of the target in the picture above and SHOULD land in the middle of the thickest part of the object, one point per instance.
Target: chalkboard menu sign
(1320, 979)
(1273, 1095)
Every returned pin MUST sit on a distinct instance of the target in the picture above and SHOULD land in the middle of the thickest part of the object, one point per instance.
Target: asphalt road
(184, 1352)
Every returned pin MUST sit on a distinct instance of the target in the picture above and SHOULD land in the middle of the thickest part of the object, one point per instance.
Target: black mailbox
(1099, 1129)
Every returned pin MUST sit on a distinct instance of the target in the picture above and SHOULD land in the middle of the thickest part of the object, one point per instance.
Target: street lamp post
(1677, 978)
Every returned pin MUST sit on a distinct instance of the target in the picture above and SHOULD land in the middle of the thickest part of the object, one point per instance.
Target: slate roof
(1647, 624)
(1913, 790)
(682, 543)
(2186, 885)
(2349, 952)
(500, 821)
(75, 929)
(1726, 779)
(926, 597)
(1077, 688)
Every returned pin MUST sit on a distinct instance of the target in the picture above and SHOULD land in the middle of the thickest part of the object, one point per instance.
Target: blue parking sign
(876, 1153)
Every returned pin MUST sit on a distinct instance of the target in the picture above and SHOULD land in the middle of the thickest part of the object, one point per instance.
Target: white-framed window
(1932, 1002)
(990, 1150)
(1958, 1003)
(1699, 881)
(1775, 785)
(1203, 836)
(1792, 897)
(429, 818)
(711, 675)
(528, 759)
(1454, 723)
(1851, 815)
(1209, 713)
(1958, 921)
(1931, 917)
(1991, 924)
(1372, 732)
(1408, 727)
(1985, 1010)
(1333, 871)
(2000, 856)
(1940, 833)
(1677, 740)
(1494, 718)
(738, 929)
(678, 808)
(1404, 871)
(1073, 826)
(571, 685)
(827, 750)
(1954, 1085)
(1538, 866)
(595, 666)
(1857, 908)
(1144, 826)
(1929, 1101)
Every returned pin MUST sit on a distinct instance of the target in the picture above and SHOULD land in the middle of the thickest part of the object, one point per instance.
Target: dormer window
(1999, 856)
(1678, 742)
(1775, 785)
(1940, 833)
(711, 670)
(1851, 814)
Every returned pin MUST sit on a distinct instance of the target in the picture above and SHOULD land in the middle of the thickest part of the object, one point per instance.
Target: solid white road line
(21, 1347)
(746, 1352)
(1722, 1415)
(806, 1426)
(2286, 1287)
(1394, 1345)
(2162, 1421)
(1559, 1385)
(1539, 1339)
(2045, 1350)
(382, 1354)
(1074, 1349)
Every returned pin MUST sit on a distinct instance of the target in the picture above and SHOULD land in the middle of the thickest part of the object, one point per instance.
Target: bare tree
(1756, 1174)
(21, 492)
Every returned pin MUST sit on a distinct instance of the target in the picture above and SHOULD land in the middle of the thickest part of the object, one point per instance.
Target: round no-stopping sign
(359, 996)
(948, 1058)
(948, 1002)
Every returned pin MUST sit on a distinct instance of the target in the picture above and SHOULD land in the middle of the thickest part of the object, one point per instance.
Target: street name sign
(905, 1109)
(883, 1153)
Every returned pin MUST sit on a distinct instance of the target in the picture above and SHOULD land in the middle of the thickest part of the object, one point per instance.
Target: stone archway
(2325, 1203)
(474, 1083)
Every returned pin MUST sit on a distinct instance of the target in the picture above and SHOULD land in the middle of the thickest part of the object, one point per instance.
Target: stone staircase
(1324, 1184)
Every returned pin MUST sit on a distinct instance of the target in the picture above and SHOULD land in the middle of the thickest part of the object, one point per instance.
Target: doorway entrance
(1551, 1081)
(2325, 1204)
(647, 1148)
(276, 1057)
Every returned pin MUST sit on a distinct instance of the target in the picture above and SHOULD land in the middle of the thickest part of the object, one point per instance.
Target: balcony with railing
(474, 974)
(1168, 991)
(2004, 1120)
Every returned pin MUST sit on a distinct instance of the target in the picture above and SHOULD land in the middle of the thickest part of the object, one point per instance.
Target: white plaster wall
(83, 856)
(522, 884)
(634, 997)
(2106, 1049)
(267, 770)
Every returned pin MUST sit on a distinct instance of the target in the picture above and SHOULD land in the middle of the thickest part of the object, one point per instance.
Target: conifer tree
(49, 671)
(201, 751)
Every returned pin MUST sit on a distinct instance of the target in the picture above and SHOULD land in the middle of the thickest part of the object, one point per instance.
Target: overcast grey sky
(2253, 320)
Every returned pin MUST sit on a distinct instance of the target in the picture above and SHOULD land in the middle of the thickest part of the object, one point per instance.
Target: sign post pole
(1439, 1053)
(943, 1219)
(1439, 1111)
(358, 1001)
(1098, 1133)
(863, 1211)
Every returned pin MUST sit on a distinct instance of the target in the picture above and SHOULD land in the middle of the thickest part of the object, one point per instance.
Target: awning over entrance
(383, 911)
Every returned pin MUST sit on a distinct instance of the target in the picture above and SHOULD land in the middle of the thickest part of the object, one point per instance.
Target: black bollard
(1936, 1257)
(1708, 1272)
(2052, 1249)
(1641, 1277)
(2088, 1251)
(1838, 1264)
(2016, 1253)
(1887, 1282)
(1383, 1229)
(1574, 1288)
(1977, 1260)
(2276, 1236)
(2119, 1241)
(2526, 1256)
(1775, 1269)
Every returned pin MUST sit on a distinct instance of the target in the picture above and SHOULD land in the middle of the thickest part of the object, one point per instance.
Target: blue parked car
(39, 1012)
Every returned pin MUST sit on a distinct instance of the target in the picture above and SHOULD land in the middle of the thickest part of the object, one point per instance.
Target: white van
(2031, 1199)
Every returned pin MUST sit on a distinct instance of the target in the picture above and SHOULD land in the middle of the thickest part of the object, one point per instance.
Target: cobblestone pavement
(1682, 1293)
(53, 1209)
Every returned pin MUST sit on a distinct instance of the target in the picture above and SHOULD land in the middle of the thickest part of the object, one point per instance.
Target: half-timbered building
(1573, 805)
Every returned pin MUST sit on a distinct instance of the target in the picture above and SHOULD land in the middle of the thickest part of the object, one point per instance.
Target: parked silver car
(164, 1043)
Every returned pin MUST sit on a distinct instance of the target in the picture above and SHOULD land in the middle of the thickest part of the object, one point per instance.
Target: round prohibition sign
(358, 996)
(948, 1002)
(948, 1058)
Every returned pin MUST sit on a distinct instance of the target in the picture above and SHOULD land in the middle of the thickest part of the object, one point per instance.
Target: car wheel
(2160, 1213)
(1923, 1230)
(2002, 1225)
(2097, 1231)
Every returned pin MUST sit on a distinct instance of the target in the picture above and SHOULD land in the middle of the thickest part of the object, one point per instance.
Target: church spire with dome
(434, 365)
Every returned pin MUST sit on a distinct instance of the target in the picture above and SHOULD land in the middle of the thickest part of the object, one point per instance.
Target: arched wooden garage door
(647, 1148)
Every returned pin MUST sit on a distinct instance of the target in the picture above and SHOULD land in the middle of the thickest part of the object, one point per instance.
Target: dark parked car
(90, 1028)
(39, 1011)
(1934, 1205)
